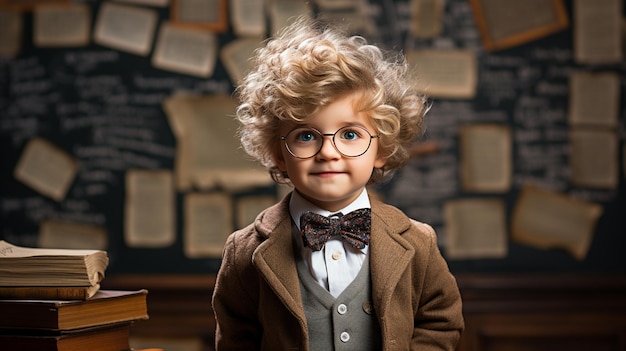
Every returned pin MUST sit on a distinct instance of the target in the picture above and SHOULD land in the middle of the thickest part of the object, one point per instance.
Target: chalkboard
(103, 106)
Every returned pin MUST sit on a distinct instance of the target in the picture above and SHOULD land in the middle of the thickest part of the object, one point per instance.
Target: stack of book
(50, 299)
(50, 273)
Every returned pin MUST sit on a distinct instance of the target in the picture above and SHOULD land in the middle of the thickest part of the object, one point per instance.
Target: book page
(485, 157)
(506, 23)
(236, 57)
(209, 15)
(283, 12)
(351, 21)
(54, 267)
(216, 156)
(46, 168)
(547, 220)
(249, 207)
(208, 222)
(337, 4)
(62, 25)
(126, 28)
(57, 235)
(183, 171)
(149, 208)
(8, 250)
(444, 73)
(598, 31)
(211, 152)
(594, 99)
(248, 18)
(11, 29)
(594, 158)
(234, 180)
(426, 18)
(185, 50)
(352, 16)
(178, 113)
(475, 228)
(156, 3)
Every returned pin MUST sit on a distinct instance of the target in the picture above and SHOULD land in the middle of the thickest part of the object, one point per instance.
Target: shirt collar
(298, 205)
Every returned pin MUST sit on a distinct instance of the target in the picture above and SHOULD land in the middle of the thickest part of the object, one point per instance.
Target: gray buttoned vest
(347, 322)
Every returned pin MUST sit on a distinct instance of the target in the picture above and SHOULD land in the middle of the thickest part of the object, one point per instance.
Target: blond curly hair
(307, 66)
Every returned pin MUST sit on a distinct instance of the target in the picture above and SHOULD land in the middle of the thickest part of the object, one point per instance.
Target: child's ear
(380, 161)
(279, 159)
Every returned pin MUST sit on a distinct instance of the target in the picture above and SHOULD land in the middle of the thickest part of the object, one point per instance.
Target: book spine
(44, 293)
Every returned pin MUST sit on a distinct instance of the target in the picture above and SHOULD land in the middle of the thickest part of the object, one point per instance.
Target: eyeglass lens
(350, 141)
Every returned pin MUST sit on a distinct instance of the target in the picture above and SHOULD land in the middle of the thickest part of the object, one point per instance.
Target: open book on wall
(40, 273)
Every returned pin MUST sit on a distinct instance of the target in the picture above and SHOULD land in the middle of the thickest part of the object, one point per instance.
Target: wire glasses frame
(350, 141)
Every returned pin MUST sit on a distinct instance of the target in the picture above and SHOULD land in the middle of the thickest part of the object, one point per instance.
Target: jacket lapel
(270, 257)
(390, 254)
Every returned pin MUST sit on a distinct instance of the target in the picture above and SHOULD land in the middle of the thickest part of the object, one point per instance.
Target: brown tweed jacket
(257, 300)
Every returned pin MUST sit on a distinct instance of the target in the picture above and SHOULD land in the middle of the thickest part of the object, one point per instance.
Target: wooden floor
(502, 312)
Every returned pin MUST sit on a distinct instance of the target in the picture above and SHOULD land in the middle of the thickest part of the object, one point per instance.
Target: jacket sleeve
(438, 321)
(234, 305)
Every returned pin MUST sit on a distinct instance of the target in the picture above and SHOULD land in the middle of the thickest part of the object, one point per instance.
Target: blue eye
(349, 134)
(306, 136)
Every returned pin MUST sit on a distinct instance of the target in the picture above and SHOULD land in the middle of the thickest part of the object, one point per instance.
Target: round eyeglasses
(350, 141)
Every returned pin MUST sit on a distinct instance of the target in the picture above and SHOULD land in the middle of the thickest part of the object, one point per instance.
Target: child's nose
(328, 150)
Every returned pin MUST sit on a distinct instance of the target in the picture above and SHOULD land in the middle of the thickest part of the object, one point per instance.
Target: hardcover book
(106, 307)
(112, 337)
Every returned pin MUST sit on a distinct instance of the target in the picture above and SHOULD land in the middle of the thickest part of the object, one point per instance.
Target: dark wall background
(86, 99)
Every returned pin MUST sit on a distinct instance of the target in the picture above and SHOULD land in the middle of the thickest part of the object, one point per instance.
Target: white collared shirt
(336, 265)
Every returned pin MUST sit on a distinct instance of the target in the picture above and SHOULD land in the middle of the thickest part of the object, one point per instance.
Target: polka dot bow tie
(354, 227)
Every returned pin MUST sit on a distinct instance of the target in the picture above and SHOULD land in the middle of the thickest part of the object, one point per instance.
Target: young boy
(329, 114)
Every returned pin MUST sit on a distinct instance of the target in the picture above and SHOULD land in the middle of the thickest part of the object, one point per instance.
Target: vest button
(345, 337)
(342, 309)
(368, 307)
